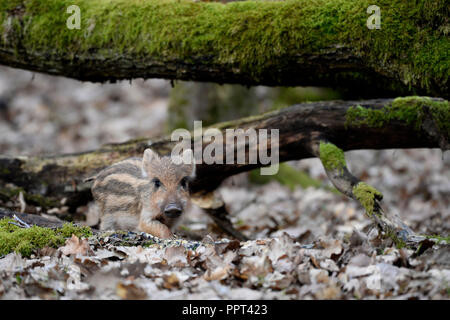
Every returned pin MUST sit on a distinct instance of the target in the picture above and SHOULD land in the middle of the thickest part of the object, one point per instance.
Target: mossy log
(274, 43)
(412, 122)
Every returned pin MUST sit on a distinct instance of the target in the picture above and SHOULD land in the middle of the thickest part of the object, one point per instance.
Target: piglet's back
(117, 188)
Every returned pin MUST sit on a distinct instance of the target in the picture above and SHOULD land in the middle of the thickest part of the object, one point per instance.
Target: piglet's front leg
(155, 228)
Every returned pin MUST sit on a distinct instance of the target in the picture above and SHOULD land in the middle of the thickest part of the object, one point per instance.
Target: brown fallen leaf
(332, 248)
(219, 268)
(224, 247)
(303, 275)
(171, 281)
(319, 276)
(283, 246)
(87, 265)
(176, 256)
(330, 292)
(47, 251)
(329, 265)
(36, 288)
(360, 260)
(129, 291)
(279, 281)
(315, 262)
(76, 246)
(255, 266)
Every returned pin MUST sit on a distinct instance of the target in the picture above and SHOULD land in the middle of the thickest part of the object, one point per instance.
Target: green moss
(399, 243)
(439, 239)
(366, 195)
(288, 176)
(247, 36)
(331, 156)
(26, 240)
(68, 229)
(406, 109)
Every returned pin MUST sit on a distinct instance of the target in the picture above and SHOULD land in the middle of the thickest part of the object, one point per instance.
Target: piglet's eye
(156, 183)
(184, 182)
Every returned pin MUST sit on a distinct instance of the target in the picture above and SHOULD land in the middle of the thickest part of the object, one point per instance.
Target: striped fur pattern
(135, 194)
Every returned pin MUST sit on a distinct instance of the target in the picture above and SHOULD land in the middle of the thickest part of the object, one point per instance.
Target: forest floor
(308, 243)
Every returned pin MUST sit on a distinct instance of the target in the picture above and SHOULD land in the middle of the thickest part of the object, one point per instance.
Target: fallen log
(413, 122)
(304, 131)
(274, 43)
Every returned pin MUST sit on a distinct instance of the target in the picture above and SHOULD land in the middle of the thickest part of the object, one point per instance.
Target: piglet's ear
(188, 159)
(149, 157)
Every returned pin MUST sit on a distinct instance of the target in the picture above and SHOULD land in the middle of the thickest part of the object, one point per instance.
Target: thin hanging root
(333, 160)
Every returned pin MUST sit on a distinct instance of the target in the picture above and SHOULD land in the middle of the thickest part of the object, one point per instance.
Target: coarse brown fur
(147, 194)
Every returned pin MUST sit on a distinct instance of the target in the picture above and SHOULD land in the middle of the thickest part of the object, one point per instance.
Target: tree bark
(48, 180)
(276, 43)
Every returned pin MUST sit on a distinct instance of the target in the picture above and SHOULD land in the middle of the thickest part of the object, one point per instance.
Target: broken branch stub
(333, 160)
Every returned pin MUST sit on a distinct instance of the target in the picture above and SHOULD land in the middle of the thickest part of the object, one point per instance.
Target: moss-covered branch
(422, 113)
(390, 224)
(367, 196)
(294, 42)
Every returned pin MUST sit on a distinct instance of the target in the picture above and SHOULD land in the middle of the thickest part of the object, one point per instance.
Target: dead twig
(20, 223)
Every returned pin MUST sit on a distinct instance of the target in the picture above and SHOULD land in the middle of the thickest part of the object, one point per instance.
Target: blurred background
(42, 114)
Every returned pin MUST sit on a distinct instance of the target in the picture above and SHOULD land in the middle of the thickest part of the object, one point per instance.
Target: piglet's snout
(173, 210)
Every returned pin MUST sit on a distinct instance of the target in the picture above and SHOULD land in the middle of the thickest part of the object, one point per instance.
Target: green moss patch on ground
(26, 240)
(366, 195)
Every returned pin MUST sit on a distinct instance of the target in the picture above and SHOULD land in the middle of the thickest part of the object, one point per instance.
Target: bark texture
(274, 43)
(370, 124)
